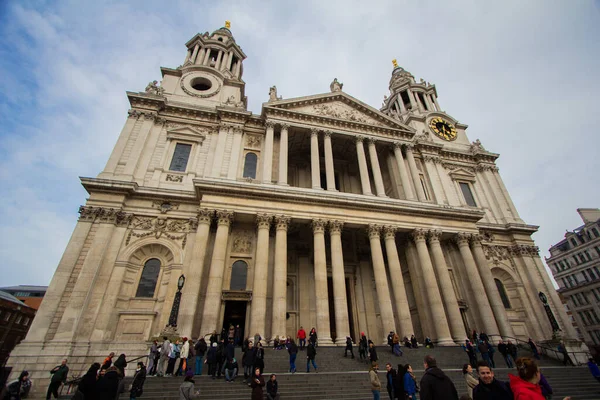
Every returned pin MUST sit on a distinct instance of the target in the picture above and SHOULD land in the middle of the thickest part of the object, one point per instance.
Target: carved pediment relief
(462, 174)
(338, 110)
(186, 132)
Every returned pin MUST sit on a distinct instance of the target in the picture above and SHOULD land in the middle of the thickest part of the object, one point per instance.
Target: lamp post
(549, 313)
(176, 301)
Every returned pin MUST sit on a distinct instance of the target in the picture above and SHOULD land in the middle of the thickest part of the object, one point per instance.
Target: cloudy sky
(524, 76)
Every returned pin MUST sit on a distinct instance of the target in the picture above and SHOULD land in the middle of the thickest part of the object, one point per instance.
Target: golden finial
(227, 24)
(395, 62)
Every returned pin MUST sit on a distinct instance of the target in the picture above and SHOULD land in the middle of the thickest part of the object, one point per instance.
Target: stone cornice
(508, 228)
(290, 194)
(108, 185)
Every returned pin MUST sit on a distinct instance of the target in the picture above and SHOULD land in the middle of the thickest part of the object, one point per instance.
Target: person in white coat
(183, 356)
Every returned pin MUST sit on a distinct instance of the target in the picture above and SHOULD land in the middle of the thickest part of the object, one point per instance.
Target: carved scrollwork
(318, 225)
(253, 141)
(285, 125)
(174, 178)
(165, 206)
(205, 215)
(225, 217)
(264, 221)
(434, 235)
(242, 242)
(282, 222)
(269, 124)
(142, 226)
(359, 138)
(419, 234)
(462, 238)
(104, 215)
(374, 231)
(496, 253)
(335, 227)
(133, 114)
(389, 232)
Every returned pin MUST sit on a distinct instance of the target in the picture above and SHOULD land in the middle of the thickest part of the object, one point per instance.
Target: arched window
(239, 273)
(250, 162)
(503, 294)
(149, 277)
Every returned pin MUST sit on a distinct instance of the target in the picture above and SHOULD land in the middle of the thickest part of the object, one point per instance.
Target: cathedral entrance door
(235, 314)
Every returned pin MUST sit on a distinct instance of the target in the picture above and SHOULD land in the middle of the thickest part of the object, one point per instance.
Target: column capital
(285, 125)
(476, 239)
(224, 217)
(205, 216)
(374, 231)
(419, 234)
(270, 123)
(372, 140)
(282, 222)
(397, 145)
(327, 133)
(336, 227)
(238, 129)
(410, 147)
(434, 235)
(314, 132)
(462, 238)
(264, 221)
(389, 232)
(318, 225)
(359, 138)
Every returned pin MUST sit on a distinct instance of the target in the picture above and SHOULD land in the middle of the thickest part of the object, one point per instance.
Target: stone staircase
(346, 378)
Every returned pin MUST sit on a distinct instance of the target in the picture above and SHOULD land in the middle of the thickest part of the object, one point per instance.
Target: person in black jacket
(363, 347)
(313, 337)
(200, 349)
(138, 381)
(59, 377)
(259, 358)
(393, 383)
(107, 387)
(293, 352)
(489, 387)
(272, 387)
(311, 353)
(121, 363)
(211, 360)
(248, 362)
(87, 385)
(435, 385)
(19, 389)
(372, 353)
(348, 347)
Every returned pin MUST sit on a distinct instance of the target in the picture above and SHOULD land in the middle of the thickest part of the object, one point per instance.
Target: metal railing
(547, 351)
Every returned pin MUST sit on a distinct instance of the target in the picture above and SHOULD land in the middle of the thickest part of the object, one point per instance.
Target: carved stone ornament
(165, 206)
(225, 217)
(104, 215)
(230, 102)
(269, 124)
(205, 215)
(331, 111)
(264, 221)
(133, 114)
(336, 227)
(158, 227)
(174, 178)
(236, 295)
(273, 94)
(318, 225)
(282, 222)
(462, 238)
(389, 232)
(419, 234)
(435, 235)
(374, 231)
(476, 239)
(423, 136)
(242, 242)
(496, 253)
(476, 147)
(336, 86)
(155, 89)
(253, 141)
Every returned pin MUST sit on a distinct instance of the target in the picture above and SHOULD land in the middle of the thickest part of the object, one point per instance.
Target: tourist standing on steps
(121, 364)
(59, 377)
(187, 391)
(512, 350)
(106, 364)
(484, 351)
(87, 384)
(152, 357)
(165, 349)
(534, 349)
(257, 384)
(211, 360)
(413, 342)
(138, 381)
(489, 387)
(183, 356)
(396, 345)
(348, 347)
(213, 338)
(257, 338)
(374, 380)
(313, 337)
(272, 387)
(390, 341)
(108, 386)
(491, 352)
(563, 350)
(469, 379)
(311, 353)
(409, 382)
(372, 353)
(471, 353)
(503, 349)
(301, 336)
(293, 351)
(248, 362)
(259, 358)
(237, 337)
(200, 349)
(363, 347)
(393, 383)
(435, 384)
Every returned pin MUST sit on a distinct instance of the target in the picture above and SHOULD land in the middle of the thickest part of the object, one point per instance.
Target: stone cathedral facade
(321, 211)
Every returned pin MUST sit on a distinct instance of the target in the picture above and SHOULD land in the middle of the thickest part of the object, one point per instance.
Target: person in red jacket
(526, 385)
(301, 336)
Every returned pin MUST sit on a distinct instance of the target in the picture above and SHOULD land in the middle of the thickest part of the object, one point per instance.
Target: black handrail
(545, 349)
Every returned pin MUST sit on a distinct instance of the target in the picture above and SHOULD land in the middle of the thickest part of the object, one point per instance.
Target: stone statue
(273, 94)
(476, 146)
(153, 88)
(336, 86)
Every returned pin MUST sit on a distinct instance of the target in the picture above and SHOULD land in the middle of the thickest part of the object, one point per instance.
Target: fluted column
(321, 293)
(194, 53)
(212, 302)
(329, 171)
(376, 169)
(457, 328)
(219, 59)
(414, 172)
(408, 192)
(431, 289)
(342, 326)
(261, 269)
(278, 321)
(490, 288)
(404, 326)
(283, 155)
(413, 101)
(381, 282)
(268, 156)
(362, 166)
(473, 277)
(315, 169)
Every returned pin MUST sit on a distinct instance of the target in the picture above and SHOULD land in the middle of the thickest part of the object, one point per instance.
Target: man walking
(311, 353)
(484, 351)
(394, 382)
(503, 349)
(59, 377)
(348, 347)
(435, 384)
(489, 387)
(165, 349)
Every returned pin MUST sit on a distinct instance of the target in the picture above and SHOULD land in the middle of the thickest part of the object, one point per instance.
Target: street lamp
(176, 301)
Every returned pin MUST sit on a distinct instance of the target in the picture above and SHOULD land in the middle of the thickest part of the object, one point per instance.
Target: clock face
(443, 129)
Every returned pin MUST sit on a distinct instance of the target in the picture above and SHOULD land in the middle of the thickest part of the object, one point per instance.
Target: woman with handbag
(138, 381)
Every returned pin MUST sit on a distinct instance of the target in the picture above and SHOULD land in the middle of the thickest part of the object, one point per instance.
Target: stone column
(206, 57)
(436, 103)
(236, 149)
(321, 292)
(219, 58)
(315, 168)
(229, 60)
(362, 166)
(268, 156)
(507, 197)
(483, 305)
(414, 172)
(140, 142)
(193, 274)
(431, 289)
(401, 105)
(408, 192)
(195, 53)
(342, 326)
(413, 101)
(381, 283)
(506, 212)
(278, 321)
(200, 57)
(220, 151)
(376, 169)
(490, 288)
(457, 328)
(438, 191)
(329, 171)
(238, 69)
(212, 302)
(283, 155)
(261, 269)
(405, 326)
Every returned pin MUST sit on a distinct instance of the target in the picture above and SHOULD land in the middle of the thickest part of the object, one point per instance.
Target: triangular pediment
(462, 174)
(340, 106)
(186, 132)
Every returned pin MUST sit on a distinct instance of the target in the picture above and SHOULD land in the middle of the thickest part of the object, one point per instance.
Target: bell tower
(211, 74)
(409, 97)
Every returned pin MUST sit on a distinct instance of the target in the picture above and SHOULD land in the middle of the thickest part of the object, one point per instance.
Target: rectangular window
(564, 282)
(468, 194)
(180, 157)
(597, 272)
(7, 316)
(591, 273)
(427, 197)
(26, 321)
(575, 279)
(596, 319)
(596, 294)
(574, 300)
(18, 320)
(585, 298)
(582, 318)
(585, 276)
(587, 255)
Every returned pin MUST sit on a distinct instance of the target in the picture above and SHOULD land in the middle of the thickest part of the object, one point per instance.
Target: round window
(201, 84)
